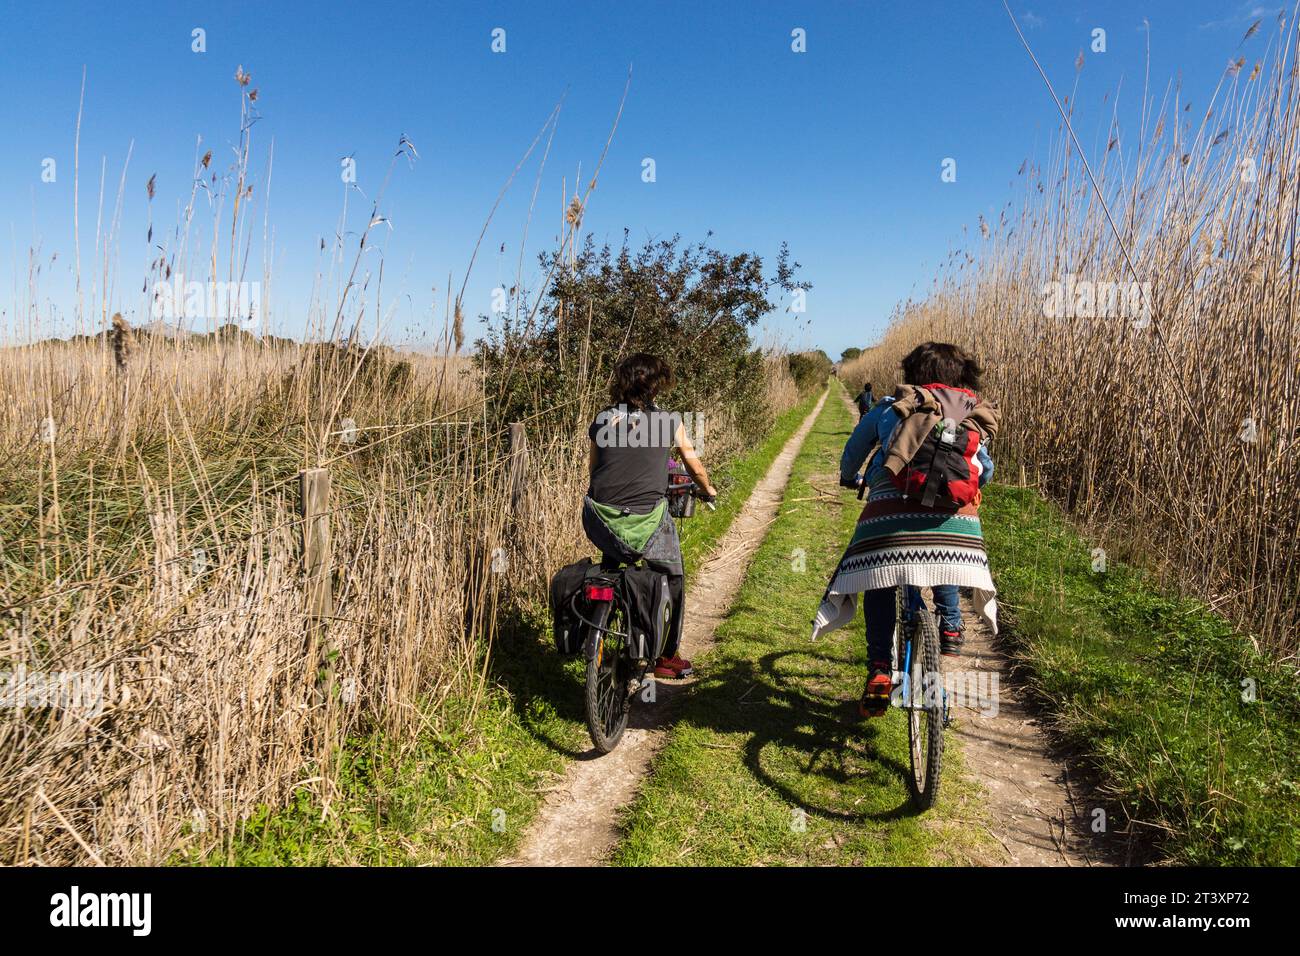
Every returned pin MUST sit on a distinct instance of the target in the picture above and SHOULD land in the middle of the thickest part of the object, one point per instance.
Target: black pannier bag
(566, 628)
(644, 593)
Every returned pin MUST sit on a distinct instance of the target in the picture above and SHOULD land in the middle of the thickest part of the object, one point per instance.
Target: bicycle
(617, 661)
(915, 662)
(916, 666)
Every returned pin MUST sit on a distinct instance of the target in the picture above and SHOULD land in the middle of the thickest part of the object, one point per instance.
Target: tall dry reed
(150, 574)
(1167, 412)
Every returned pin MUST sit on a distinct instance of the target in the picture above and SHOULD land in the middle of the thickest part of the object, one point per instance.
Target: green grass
(1150, 689)
(735, 482)
(436, 802)
(768, 762)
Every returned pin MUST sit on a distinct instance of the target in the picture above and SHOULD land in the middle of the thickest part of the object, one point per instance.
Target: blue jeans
(878, 608)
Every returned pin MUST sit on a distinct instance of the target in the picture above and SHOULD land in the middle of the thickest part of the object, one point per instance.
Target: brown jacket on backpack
(920, 409)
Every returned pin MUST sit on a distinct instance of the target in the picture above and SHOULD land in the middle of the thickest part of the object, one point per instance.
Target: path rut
(1037, 809)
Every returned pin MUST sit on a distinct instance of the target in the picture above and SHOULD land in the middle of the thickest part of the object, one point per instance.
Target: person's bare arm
(692, 462)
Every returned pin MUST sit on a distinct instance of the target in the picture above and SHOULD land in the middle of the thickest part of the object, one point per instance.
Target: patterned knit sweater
(899, 541)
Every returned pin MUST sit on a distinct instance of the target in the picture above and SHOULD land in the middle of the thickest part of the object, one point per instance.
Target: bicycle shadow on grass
(538, 681)
(794, 734)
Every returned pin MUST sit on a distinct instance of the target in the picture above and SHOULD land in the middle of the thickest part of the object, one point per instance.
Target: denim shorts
(662, 551)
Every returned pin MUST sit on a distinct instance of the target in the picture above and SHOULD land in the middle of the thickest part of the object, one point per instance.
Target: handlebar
(858, 483)
(689, 485)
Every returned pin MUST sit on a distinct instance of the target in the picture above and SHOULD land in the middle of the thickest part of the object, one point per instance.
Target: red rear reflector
(595, 593)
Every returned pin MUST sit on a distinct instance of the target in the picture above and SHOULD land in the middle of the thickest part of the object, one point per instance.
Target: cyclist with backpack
(625, 511)
(926, 457)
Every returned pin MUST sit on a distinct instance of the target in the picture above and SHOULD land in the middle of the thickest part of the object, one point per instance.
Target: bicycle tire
(607, 700)
(925, 725)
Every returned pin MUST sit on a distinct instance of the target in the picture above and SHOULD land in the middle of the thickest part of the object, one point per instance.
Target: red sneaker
(673, 668)
(875, 696)
(950, 643)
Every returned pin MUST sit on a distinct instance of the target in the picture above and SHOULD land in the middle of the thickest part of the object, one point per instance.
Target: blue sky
(837, 150)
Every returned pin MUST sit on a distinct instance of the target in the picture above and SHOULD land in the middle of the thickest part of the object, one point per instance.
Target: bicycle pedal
(874, 705)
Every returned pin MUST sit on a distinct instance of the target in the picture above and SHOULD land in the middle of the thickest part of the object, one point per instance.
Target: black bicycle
(618, 660)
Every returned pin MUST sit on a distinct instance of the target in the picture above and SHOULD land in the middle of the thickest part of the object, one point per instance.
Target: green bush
(809, 369)
(693, 305)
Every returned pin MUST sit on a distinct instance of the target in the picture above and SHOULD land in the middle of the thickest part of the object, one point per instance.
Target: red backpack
(944, 471)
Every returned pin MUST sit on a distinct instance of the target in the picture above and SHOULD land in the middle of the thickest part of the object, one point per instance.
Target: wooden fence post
(317, 547)
(518, 467)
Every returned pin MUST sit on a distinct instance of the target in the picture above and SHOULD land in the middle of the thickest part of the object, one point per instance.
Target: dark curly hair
(639, 378)
(942, 363)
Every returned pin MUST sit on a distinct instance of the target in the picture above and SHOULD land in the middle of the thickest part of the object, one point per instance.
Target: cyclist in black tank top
(630, 444)
(631, 447)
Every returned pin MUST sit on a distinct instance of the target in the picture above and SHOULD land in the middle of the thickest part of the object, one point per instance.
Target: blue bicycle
(918, 688)
(918, 685)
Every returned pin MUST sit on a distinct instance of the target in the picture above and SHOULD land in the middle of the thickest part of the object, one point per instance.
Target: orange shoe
(875, 696)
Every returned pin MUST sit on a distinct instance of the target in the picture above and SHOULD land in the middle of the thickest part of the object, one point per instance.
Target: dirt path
(578, 823)
(1035, 809)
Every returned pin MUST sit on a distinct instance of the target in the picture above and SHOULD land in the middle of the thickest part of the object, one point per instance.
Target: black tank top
(632, 449)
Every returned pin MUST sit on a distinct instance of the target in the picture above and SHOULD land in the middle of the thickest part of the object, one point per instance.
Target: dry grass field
(150, 549)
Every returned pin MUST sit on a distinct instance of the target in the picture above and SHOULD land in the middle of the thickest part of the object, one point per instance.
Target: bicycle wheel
(609, 674)
(925, 710)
